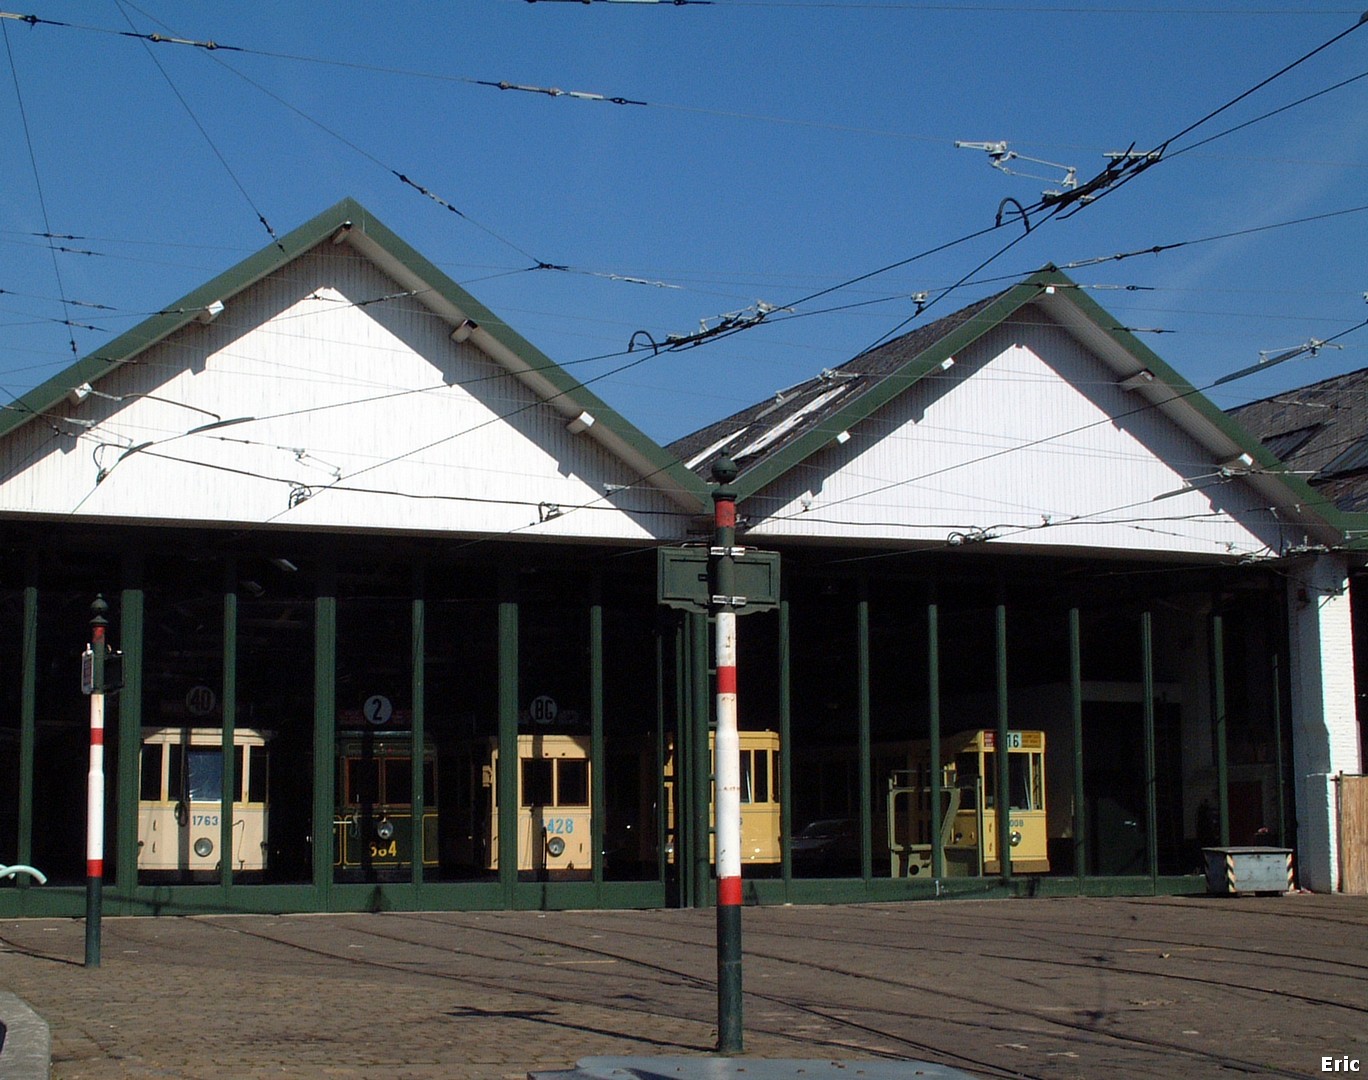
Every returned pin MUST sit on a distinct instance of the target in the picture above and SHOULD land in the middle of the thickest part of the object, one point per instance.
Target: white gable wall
(363, 414)
(1028, 438)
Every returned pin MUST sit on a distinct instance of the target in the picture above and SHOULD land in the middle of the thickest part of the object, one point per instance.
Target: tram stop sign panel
(683, 579)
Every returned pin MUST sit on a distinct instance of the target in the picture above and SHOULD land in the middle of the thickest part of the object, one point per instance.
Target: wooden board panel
(1353, 810)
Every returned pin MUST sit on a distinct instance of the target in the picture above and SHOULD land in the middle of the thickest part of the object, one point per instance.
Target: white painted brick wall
(1325, 737)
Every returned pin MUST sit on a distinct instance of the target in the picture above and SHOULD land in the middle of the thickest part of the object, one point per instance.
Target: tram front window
(196, 774)
(574, 783)
(1023, 792)
(537, 789)
(1019, 777)
(399, 782)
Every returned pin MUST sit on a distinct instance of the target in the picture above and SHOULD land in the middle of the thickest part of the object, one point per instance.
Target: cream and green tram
(180, 801)
(373, 825)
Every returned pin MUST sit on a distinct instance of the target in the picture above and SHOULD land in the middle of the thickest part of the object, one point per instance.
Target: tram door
(180, 804)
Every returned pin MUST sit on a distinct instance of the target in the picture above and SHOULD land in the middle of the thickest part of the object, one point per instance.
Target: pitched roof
(1321, 433)
(351, 223)
(773, 436)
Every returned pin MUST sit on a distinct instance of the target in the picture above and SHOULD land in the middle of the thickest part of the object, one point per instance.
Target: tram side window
(747, 766)
(238, 751)
(256, 775)
(761, 776)
(150, 788)
(537, 782)
(574, 783)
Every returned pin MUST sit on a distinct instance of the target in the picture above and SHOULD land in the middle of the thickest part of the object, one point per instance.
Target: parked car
(827, 846)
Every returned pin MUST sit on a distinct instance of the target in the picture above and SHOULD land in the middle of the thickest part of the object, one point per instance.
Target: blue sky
(782, 148)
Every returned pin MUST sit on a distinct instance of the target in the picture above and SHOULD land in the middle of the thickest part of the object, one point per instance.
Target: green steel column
(1080, 818)
(1218, 700)
(681, 798)
(28, 711)
(1004, 794)
(785, 744)
(129, 705)
(506, 782)
(228, 698)
(417, 690)
(1151, 775)
(324, 746)
(1278, 753)
(701, 767)
(934, 720)
(597, 779)
(659, 774)
(862, 674)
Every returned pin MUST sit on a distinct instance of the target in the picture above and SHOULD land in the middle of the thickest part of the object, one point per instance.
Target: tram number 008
(560, 825)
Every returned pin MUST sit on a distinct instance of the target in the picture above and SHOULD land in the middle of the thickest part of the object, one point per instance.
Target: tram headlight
(555, 847)
(1016, 837)
(204, 847)
(384, 828)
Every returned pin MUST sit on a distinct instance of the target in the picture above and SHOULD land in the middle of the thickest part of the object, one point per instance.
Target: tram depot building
(385, 581)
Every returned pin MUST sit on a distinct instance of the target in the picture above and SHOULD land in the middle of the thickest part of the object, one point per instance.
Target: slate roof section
(758, 433)
(773, 436)
(1321, 433)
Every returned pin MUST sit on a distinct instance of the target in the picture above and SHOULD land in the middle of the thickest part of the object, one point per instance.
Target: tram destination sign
(683, 579)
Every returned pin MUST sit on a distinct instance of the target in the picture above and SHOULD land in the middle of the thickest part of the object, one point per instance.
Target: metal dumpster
(1232, 870)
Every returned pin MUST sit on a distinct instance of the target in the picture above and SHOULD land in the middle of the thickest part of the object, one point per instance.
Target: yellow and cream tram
(554, 816)
(180, 801)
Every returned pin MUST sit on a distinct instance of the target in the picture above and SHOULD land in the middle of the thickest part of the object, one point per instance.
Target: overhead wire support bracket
(1312, 347)
(999, 155)
(555, 91)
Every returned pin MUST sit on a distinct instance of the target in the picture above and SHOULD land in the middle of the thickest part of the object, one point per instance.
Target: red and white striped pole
(727, 766)
(95, 786)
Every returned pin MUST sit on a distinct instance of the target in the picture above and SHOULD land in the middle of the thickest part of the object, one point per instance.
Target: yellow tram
(554, 816)
(180, 801)
(759, 798)
(373, 825)
(970, 804)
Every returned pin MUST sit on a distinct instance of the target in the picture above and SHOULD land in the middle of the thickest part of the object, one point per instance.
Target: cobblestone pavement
(1049, 989)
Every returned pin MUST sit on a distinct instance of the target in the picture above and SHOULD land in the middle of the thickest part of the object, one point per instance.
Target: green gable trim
(565, 385)
(174, 317)
(888, 388)
(1299, 492)
(665, 470)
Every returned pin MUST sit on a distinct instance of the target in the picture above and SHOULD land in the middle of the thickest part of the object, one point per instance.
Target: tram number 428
(562, 825)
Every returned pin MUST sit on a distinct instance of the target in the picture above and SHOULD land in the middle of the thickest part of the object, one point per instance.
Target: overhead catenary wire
(204, 133)
(37, 182)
